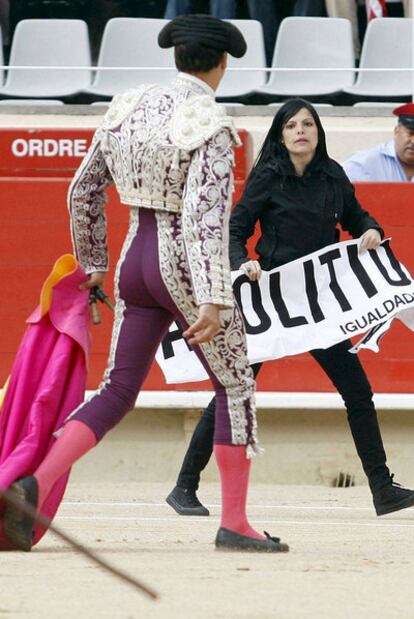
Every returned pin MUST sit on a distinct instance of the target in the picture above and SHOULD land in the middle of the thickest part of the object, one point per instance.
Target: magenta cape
(47, 381)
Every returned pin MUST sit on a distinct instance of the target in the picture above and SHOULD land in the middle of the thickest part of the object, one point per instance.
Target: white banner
(313, 302)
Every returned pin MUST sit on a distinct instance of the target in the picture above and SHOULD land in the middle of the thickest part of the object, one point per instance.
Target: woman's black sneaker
(186, 503)
(391, 498)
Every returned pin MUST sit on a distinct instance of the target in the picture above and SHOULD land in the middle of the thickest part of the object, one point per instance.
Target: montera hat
(203, 30)
(405, 114)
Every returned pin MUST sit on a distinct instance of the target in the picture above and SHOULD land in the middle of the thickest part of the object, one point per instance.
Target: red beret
(405, 114)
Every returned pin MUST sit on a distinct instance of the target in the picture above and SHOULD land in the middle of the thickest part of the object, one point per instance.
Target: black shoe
(186, 503)
(391, 498)
(228, 540)
(17, 526)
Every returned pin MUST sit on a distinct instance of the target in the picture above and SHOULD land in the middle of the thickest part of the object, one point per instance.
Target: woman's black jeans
(347, 374)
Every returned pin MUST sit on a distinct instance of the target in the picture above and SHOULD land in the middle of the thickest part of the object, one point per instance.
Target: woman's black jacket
(297, 214)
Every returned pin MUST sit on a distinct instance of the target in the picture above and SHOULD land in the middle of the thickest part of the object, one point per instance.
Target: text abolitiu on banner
(313, 302)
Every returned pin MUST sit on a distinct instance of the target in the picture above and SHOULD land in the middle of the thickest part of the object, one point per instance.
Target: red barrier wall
(35, 169)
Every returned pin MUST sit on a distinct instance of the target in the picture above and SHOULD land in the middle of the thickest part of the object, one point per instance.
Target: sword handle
(96, 317)
(103, 298)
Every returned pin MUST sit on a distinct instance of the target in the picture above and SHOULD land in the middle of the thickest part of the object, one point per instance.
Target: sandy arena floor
(344, 561)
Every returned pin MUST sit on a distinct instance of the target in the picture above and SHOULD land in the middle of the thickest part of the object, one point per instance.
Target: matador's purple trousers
(144, 311)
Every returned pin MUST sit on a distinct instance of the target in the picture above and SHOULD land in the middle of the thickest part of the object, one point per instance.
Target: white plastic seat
(388, 43)
(131, 42)
(31, 102)
(314, 104)
(312, 42)
(48, 42)
(236, 84)
(1, 59)
(386, 104)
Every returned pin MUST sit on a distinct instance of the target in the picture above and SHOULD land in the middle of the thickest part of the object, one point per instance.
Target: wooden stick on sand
(30, 511)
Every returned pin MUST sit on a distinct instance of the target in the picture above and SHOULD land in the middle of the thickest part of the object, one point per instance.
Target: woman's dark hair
(273, 149)
(194, 58)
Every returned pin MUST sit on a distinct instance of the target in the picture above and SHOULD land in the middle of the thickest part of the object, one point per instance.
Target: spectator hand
(371, 239)
(252, 269)
(206, 326)
(95, 279)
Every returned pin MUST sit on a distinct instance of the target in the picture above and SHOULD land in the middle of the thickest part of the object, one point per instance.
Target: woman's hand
(252, 269)
(95, 279)
(371, 239)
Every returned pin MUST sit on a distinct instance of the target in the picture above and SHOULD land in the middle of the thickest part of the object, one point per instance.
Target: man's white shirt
(379, 164)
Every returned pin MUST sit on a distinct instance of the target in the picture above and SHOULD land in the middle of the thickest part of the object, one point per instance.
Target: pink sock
(234, 470)
(75, 440)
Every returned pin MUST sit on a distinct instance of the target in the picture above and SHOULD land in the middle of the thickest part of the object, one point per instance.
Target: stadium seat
(31, 102)
(237, 84)
(314, 104)
(131, 42)
(388, 43)
(48, 42)
(312, 42)
(385, 104)
(1, 59)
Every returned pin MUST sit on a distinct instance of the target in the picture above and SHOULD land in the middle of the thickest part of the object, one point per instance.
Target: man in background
(390, 162)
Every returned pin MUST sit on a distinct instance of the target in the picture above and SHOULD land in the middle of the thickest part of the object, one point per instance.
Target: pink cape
(47, 381)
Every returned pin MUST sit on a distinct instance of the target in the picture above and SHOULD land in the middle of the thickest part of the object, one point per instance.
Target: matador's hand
(206, 326)
(95, 279)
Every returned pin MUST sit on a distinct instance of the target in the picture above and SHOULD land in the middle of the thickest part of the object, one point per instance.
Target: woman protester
(300, 195)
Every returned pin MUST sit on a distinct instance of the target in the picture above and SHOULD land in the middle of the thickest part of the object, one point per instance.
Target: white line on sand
(216, 520)
(216, 505)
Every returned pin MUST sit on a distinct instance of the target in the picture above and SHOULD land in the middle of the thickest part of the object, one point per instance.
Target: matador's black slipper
(17, 526)
(229, 540)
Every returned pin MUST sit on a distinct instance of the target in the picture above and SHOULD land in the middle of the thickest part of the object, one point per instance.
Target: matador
(169, 152)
